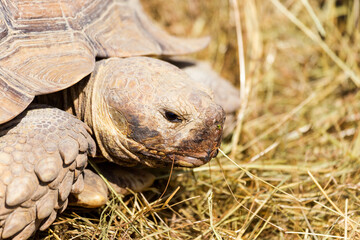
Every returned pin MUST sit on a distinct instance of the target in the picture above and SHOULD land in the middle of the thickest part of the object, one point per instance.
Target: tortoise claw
(95, 193)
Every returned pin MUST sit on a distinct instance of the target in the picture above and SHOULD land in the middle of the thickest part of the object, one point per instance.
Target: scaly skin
(42, 155)
(225, 94)
(129, 103)
(95, 193)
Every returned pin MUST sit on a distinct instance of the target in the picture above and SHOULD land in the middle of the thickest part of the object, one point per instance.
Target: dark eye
(172, 117)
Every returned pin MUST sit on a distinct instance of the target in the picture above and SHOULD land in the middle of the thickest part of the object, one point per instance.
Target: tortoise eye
(172, 117)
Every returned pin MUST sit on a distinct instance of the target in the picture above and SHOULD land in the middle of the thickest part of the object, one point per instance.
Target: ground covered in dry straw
(292, 169)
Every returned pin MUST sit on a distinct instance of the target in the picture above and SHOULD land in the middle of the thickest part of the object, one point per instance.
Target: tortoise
(134, 109)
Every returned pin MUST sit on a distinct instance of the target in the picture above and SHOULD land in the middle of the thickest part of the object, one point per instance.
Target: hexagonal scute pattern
(42, 155)
(47, 45)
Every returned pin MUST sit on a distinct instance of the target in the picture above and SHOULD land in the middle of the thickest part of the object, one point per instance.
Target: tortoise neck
(75, 100)
(81, 99)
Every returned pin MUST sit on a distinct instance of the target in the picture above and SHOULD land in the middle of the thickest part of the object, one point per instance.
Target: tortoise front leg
(42, 156)
(121, 179)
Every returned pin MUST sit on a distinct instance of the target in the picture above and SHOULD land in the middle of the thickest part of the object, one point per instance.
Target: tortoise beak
(195, 161)
(214, 153)
(211, 136)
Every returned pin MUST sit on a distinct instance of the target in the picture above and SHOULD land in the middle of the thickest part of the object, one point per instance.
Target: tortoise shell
(49, 45)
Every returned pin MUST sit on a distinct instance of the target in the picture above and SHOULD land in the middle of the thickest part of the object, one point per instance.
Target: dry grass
(295, 171)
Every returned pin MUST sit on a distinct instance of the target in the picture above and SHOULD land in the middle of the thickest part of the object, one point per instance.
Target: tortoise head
(150, 111)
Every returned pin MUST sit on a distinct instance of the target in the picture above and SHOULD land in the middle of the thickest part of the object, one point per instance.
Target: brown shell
(49, 45)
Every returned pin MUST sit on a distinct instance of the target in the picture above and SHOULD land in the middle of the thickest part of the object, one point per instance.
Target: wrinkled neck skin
(143, 111)
(94, 111)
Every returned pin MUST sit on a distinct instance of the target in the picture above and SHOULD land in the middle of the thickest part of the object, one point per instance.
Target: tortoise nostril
(220, 118)
(215, 114)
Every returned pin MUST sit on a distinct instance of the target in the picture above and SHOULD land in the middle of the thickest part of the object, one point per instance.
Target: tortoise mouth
(193, 161)
(189, 160)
